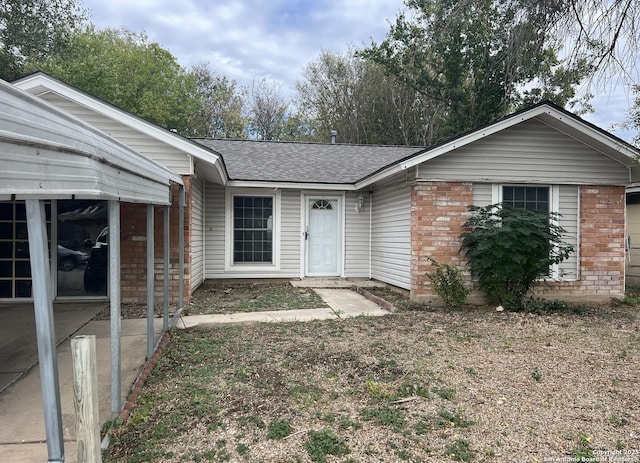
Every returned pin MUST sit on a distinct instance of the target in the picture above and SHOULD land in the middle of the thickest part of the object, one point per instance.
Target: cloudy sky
(276, 39)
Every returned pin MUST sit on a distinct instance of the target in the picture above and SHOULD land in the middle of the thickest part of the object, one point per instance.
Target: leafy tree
(509, 248)
(473, 58)
(602, 33)
(219, 112)
(127, 70)
(267, 110)
(365, 105)
(31, 30)
(270, 116)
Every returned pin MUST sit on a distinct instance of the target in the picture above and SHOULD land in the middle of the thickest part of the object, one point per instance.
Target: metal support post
(114, 297)
(167, 265)
(45, 331)
(150, 279)
(181, 206)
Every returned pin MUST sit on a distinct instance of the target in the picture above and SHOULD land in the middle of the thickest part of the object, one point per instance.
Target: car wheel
(67, 264)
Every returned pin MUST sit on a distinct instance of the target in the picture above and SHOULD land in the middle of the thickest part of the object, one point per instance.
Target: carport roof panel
(47, 153)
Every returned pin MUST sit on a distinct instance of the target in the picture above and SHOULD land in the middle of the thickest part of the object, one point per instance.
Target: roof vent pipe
(334, 134)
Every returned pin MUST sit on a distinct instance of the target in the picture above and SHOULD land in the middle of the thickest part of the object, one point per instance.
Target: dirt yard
(420, 385)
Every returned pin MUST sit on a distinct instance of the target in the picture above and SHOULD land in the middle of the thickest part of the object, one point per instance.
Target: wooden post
(85, 398)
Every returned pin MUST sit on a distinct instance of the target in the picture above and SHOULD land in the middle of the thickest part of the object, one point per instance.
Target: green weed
(583, 450)
(325, 442)
(279, 429)
(384, 416)
(445, 393)
(460, 450)
(455, 420)
(536, 374)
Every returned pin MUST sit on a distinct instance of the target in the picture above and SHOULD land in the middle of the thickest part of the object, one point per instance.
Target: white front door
(323, 237)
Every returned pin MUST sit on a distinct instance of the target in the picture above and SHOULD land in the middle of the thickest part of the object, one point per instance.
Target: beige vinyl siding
(356, 260)
(290, 234)
(214, 198)
(156, 150)
(197, 232)
(482, 194)
(391, 235)
(530, 152)
(632, 267)
(215, 204)
(568, 208)
(633, 224)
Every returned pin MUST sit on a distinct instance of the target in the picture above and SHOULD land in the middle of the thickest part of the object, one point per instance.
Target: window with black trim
(526, 197)
(253, 229)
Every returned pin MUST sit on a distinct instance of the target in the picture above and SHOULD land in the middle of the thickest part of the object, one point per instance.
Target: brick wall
(133, 218)
(438, 210)
(602, 254)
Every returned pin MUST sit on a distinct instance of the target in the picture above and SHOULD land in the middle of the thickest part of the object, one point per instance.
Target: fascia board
(291, 185)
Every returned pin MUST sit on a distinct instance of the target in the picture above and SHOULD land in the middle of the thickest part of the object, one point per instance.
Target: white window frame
(554, 207)
(229, 264)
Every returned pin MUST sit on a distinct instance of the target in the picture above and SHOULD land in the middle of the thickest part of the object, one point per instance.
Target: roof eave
(559, 119)
(49, 83)
(291, 185)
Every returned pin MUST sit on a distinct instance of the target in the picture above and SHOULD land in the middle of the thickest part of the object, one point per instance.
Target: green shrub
(509, 248)
(448, 283)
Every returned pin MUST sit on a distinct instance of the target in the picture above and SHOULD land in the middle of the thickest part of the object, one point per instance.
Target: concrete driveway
(22, 430)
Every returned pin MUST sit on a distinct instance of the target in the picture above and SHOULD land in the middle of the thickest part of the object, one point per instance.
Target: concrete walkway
(22, 431)
(343, 303)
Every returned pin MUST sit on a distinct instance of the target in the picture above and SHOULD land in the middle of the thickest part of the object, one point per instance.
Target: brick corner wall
(133, 249)
(438, 210)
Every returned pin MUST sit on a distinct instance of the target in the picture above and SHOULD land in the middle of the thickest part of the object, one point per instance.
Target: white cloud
(276, 39)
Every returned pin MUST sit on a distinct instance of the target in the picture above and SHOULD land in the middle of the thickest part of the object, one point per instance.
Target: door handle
(306, 235)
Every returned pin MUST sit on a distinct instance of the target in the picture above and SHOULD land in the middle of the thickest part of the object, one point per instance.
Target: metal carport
(46, 154)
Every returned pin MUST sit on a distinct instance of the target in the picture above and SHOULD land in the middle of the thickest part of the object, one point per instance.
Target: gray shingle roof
(304, 162)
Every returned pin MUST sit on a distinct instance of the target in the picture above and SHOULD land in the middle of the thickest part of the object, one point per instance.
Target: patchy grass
(418, 386)
(213, 298)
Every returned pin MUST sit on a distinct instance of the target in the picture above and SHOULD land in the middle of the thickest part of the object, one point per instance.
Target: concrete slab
(21, 404)
(342, 303)
(348, 303)
(17, 343)
(329, 282)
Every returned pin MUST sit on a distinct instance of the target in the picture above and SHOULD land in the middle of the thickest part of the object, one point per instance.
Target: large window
(15, 267)
(253, 229)
(526, 197)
